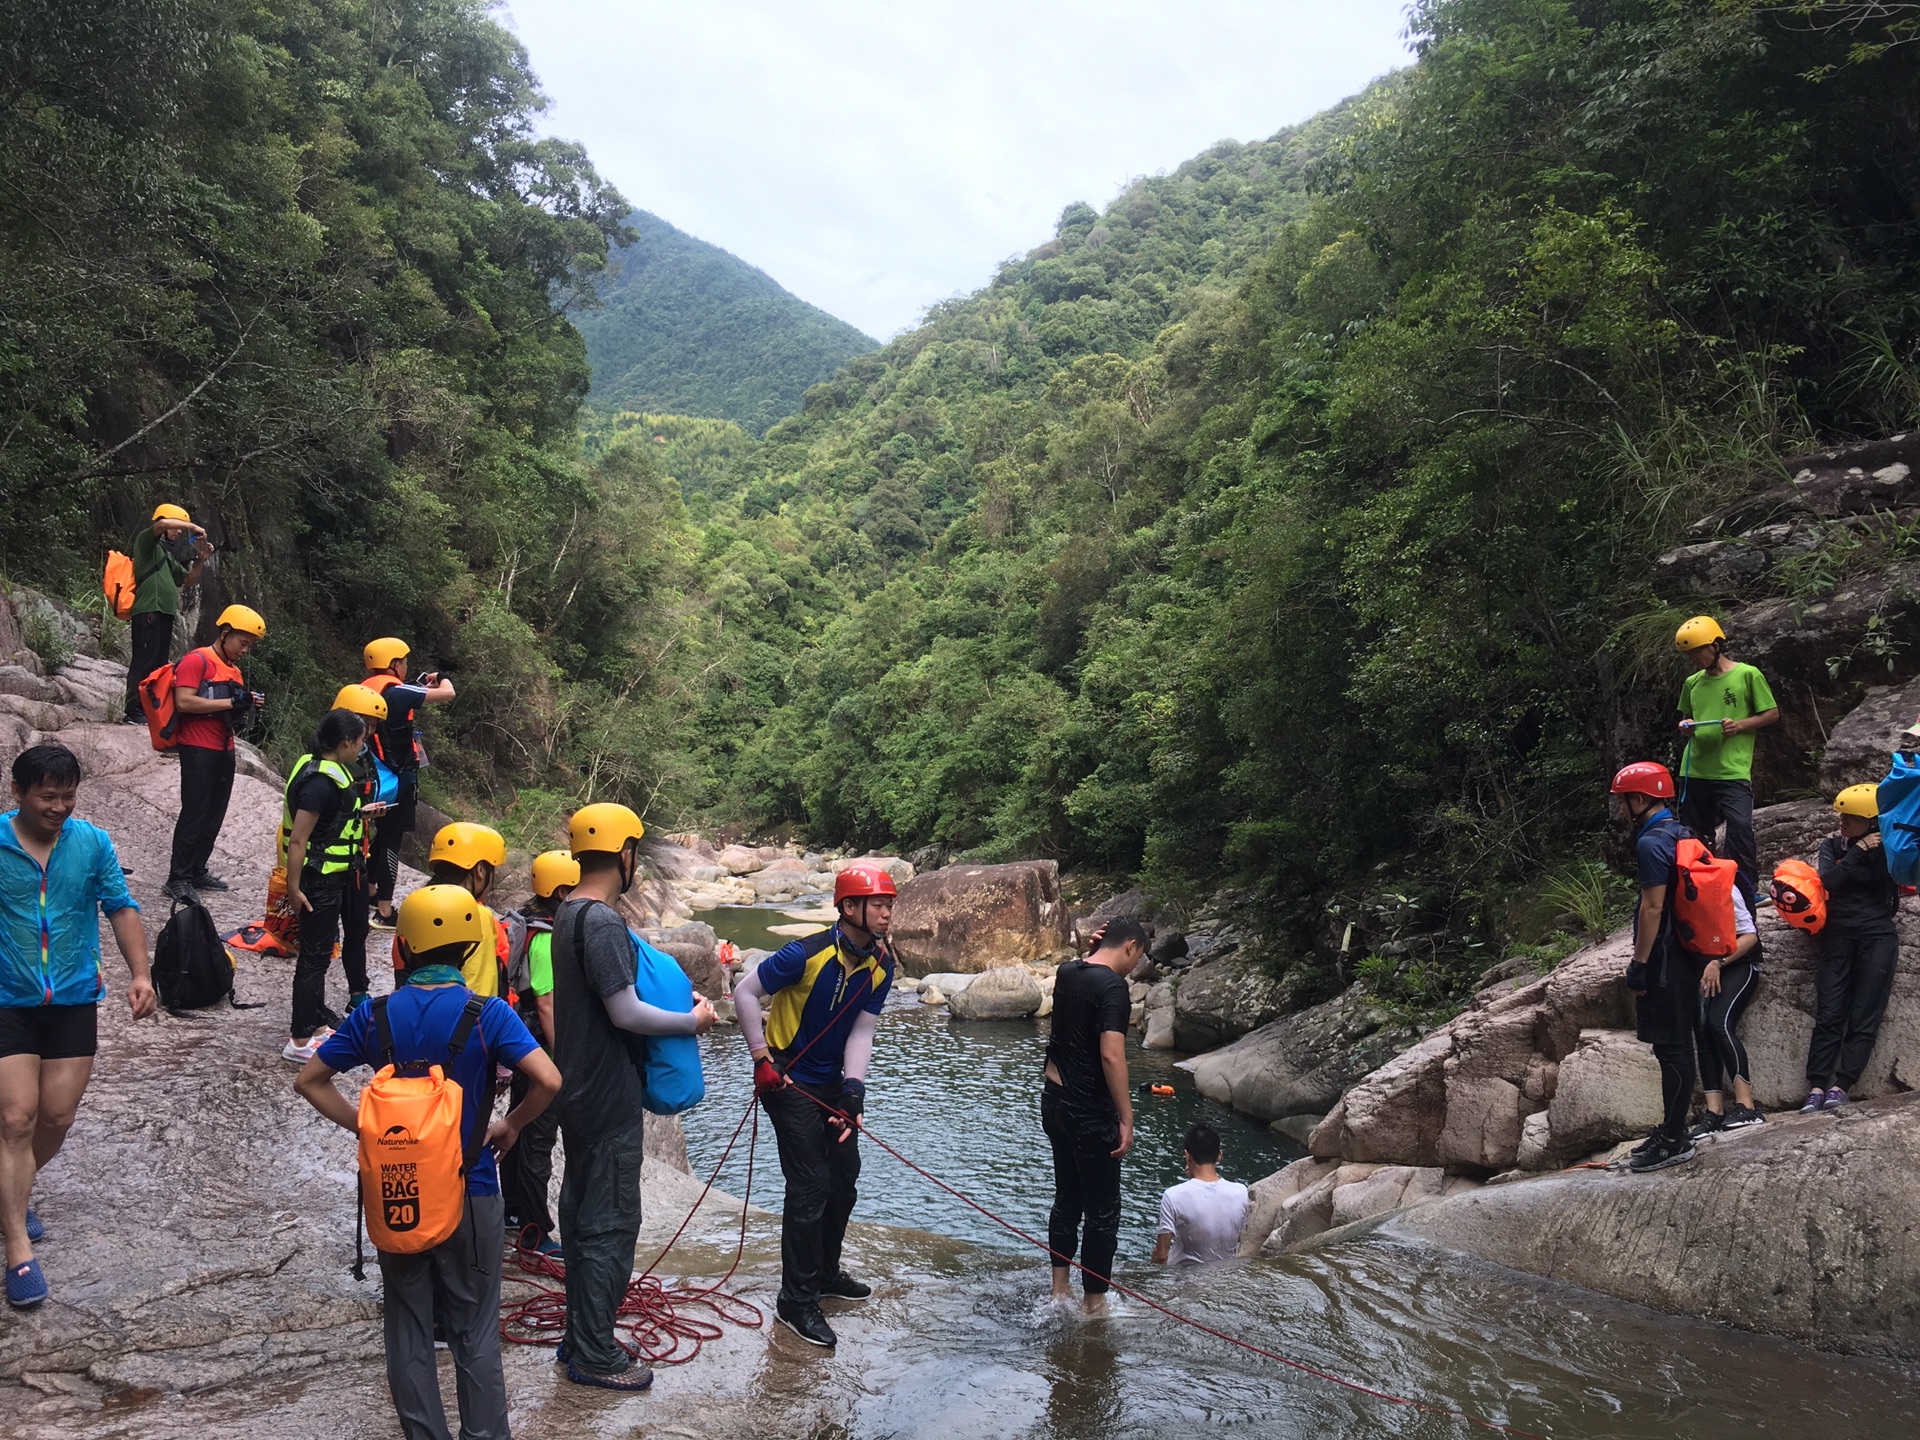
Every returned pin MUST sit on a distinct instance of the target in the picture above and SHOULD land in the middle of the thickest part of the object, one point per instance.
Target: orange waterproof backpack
(157, 704)
(413, 1166)
(1703, 901)
(1798, 896)
(117, 583)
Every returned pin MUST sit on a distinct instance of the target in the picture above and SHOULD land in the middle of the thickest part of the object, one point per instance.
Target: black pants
(1086, 1184)
(1706, 804)
(390, 832)
(599, 1227)
(1851, 989)
(1722, 1056)
(319, 928)
(355, 925)
(1667, 1017)
(152, 642)
(206, 784)
(526, 1171)
(823, 1175)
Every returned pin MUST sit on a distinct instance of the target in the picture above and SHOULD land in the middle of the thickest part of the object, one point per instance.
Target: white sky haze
(877, 157)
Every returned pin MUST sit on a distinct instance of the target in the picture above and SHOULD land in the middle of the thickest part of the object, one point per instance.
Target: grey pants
(468, 1302)
(599, 1227)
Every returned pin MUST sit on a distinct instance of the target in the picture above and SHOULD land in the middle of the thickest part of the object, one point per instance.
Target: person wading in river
(1085, 1107)
(822, 997)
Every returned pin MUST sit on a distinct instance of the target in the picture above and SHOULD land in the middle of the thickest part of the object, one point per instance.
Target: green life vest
(335, 847)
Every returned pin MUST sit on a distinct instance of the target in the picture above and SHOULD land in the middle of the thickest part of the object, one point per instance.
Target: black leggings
(1086, 1183)
(1722, 1056)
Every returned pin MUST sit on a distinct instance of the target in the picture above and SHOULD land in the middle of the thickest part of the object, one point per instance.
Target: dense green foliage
(685, 328)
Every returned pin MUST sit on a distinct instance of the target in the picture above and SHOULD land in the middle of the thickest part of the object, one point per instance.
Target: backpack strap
(463, 1028)
(382, 1032)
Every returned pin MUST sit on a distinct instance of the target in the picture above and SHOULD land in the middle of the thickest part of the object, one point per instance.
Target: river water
(960, 1340)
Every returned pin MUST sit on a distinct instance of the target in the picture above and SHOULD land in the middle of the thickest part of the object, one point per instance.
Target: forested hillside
(684, 328)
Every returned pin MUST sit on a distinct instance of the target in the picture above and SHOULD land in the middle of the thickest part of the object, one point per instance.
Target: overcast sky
(875, 156)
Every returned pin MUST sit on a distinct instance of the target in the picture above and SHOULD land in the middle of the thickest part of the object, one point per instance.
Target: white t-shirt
(1204, 1217)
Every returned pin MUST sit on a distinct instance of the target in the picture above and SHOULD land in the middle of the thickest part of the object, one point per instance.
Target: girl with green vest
(322, 846)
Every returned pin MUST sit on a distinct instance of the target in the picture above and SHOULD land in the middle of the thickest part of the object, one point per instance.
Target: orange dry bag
(1703, 901)
(156, 703)
(117, 584)
(1798, 896)
(413, 1167)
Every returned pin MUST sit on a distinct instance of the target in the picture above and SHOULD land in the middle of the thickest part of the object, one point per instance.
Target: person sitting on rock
(1727, 988)
(471, 856)
(1859, 948)
(1664, 978)
(1722, 704)
(1086, 1108)
(809, 1012)
(1201, 1217)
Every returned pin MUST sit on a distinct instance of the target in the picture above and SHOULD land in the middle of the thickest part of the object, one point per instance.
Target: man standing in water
(1085, 1107)
(815, 1039)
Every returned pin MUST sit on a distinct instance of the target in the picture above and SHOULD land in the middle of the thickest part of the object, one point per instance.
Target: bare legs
(38, 1099)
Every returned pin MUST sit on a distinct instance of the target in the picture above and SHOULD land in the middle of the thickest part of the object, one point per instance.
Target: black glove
(1636, 978)
(853, 1098)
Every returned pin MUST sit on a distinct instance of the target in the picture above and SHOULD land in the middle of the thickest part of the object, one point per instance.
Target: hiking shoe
(1814, 1102)
(356, 1000)
(1662, 1154)
(26, 1286)
(1654, 1138)
(300, 1051)
(206, 880)
(1708, 1123)
(1836, 1097)
(807, 1322)
(634, 1377)
(35, 1230)
(377, 921)
(844, 1287)
(1740, 1117)
(179, 890)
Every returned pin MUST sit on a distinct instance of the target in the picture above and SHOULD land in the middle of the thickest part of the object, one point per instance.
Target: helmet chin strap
(629, 867)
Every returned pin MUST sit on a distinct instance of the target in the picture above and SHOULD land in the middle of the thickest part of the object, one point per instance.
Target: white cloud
(876, 157)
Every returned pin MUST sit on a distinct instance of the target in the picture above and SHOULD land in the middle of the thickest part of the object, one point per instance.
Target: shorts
(53, 1032)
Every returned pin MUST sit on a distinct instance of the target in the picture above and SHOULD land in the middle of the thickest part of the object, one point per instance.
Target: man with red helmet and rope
(809, 1012)
(1663, 976)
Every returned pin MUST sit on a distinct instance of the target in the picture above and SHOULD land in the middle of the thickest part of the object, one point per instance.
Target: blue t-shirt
(423, 1022)
(1655, 850)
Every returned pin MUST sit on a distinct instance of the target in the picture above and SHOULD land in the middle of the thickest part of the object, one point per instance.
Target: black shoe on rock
(1740, 1117)
(1708, 1124)
(1662, 1153)
(807, 1322)
(179, 890)
(206, 881)
(844, 1287)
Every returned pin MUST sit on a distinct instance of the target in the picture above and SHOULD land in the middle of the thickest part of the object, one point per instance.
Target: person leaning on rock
(57, 875)
(1665, 980)
(1859, 948)
(1722, 704)
(167, 556)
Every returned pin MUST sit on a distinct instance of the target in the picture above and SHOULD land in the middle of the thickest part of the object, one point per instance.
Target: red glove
(766, 1077)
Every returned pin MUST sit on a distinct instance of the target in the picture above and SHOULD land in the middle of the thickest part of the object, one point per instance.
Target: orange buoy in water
(1162, 1089)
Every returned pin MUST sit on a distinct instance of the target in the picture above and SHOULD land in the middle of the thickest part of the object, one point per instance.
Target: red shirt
(196, 669)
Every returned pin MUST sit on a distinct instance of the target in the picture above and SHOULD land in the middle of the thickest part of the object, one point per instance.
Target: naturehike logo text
(398, 1134)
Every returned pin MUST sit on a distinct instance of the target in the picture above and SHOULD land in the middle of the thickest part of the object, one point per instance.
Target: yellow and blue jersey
(816, 986)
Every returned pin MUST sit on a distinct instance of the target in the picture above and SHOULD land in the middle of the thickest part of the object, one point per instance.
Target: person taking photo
(396, 741)
(169, 555)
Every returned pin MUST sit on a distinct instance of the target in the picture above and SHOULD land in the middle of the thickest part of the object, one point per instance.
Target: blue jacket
(49, 935)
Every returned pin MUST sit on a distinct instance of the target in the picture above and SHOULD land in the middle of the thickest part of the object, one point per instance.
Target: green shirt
(1739, 694)
(540, 962)
(157, 572)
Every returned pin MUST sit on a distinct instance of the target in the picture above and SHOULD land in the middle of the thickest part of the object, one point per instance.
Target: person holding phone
(396, 740)
(321, 847)
(168, 555)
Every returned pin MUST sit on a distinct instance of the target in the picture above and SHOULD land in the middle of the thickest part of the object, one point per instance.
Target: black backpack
(191, 967)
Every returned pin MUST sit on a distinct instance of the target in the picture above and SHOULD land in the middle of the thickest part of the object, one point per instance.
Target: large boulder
(1859, 746)
(1008, 993)
(1608, 1090)
(1806, 1227)
(739, 859)
(695, 947)
(427, 822)
(1265, 1197)
(1223, 1000)
(979, 917)
(1300, 1064)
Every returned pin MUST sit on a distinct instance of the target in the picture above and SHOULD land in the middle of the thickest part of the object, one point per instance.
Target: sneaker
(300, 1051)
(179, 890)
(206, 880)
(1814, 1102)
(634, 1377)
(1654, 1138)
(1836, 1097)
(807, 1322)
(356, 1000)
(36, 1232)
(26, 1286)
(1740, 1117)
(844, 1287)
(1708, 1124)
(377, 921)
(1661, 1154)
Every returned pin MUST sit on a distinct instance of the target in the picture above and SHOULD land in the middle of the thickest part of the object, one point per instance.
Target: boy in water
(1201, 1217)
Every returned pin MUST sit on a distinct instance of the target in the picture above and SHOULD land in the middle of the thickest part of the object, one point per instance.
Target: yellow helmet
(361, 701)
(172, 512)
(443, 925)
(1860, 800)
(244, 619)
(552, 870)
(603, 827)
(466, 845)
(381, 653)
(1700, 630)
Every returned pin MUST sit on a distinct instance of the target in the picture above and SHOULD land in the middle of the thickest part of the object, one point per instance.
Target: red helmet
(1644, 777)
(858, 880)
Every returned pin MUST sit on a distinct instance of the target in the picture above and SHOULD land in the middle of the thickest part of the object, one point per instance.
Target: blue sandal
(27, 1287)
(35, 1230)
(636, 1378)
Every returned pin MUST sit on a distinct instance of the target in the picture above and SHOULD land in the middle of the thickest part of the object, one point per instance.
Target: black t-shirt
(326, 799)
(602, 1067)
(1088, 1001)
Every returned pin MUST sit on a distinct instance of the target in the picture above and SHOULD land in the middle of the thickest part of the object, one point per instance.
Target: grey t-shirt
(602, 1067)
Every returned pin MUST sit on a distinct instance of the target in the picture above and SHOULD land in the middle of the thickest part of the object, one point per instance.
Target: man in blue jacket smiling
(55, 872)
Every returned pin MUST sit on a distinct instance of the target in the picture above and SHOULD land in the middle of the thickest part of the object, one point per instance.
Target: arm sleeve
(1166, 1213)
(877, 1001)
(1116, 1006)
(858, 1053)
(611, 962)
(1843, 866)
(1742, 916)
(629, 1012)
(191, 672)
(506, 1035)
(110, 881)
(1759, 692)
(747, 996)
(352, 1043)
